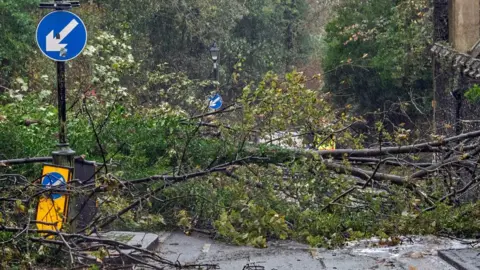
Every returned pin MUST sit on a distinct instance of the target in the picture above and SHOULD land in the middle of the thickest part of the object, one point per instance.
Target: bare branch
(8, 162)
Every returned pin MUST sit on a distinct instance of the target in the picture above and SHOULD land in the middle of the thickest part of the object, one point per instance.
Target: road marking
(206, 248)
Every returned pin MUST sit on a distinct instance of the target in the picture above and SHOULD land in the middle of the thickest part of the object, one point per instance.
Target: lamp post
(216, 100)
(215, 53)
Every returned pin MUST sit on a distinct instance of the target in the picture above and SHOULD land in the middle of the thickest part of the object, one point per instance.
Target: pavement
(415, 253)
(463, 259)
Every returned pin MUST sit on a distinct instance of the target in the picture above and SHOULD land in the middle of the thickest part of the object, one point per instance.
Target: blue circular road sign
(56, 180)
(61, 35)
(216, 102)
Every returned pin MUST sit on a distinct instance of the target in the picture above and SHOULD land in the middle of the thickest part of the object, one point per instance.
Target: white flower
(130, 58)
(45, 93)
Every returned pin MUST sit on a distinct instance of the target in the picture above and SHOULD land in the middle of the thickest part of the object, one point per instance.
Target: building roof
(468, 64)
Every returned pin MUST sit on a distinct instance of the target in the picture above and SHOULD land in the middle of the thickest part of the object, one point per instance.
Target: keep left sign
(52, 207)
(61, 35)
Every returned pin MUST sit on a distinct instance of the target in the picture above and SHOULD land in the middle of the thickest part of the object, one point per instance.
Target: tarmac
(414, 253)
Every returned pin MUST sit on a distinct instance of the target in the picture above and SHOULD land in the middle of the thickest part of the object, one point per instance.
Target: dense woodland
(354, 72)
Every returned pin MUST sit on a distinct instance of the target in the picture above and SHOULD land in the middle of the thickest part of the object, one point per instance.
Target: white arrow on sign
(215, 101)
(53, 43)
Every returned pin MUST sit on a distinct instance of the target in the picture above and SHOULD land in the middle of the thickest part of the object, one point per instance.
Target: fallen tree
(457, 156)
(202, 171)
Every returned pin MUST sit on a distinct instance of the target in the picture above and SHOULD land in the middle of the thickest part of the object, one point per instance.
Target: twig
(116, 244)
(224, 110)
(453, 193)
(174, 179)
(96, 135)
(137, 260)
(350, 190)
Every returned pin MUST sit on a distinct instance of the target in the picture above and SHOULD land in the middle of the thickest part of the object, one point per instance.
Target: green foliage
(269, 34)
(17, 29)
(251, 225)
(284, 207)
(473, 94)
(262, 201)
(286, 104)
(140, 109)
(376, 53)
(165, 86)
(26, 123)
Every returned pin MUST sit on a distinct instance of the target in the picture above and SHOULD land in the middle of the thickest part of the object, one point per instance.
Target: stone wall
(456, 22)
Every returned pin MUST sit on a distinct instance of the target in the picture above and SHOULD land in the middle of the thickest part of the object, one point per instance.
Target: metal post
(62, 108)
(435, 73)
(64, 156)
(215, 71)
(215, 53)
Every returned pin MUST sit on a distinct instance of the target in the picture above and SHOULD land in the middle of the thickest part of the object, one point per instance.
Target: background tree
(376, 53)
(137, 105)
(16, 44)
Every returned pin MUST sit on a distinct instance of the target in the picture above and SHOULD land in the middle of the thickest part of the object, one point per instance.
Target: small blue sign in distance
(56, 180)
(216, 102)
(61, 35)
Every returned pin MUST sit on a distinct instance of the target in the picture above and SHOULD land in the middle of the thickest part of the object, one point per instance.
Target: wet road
(419, 254)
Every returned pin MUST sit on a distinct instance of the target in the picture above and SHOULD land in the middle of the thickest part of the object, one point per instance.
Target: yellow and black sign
(325, 143)
(52, 207)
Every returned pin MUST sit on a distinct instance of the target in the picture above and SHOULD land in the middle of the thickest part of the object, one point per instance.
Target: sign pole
(61, 36)
(62, 110)
(64, 156)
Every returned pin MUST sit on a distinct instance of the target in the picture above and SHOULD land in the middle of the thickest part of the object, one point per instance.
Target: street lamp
(215, 52)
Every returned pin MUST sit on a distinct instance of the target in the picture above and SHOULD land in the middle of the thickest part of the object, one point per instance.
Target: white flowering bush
(111, 61)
